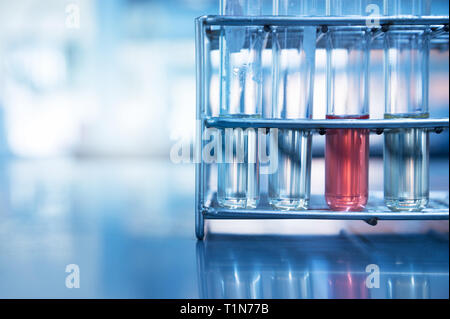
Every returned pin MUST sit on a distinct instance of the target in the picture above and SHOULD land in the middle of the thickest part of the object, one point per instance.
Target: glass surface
(324, 267)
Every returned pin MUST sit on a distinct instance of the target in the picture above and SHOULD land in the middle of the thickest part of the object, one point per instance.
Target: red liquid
(346, 167)
(348, 285)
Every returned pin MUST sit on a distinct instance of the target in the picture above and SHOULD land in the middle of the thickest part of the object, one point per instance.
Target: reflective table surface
(129, 227)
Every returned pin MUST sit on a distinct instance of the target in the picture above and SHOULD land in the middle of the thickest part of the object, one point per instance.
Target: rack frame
(438, 29)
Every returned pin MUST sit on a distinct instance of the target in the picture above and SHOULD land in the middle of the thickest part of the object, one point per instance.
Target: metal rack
(208, 30)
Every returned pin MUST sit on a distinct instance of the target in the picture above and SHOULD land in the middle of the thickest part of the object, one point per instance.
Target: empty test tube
(240, 97)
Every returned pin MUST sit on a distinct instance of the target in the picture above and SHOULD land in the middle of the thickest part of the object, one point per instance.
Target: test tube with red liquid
(347, 150)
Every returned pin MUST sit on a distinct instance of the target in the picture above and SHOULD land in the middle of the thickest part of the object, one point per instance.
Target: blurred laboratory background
(92, 78)
(93, 96)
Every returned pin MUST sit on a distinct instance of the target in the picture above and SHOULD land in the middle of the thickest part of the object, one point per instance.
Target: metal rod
(218, 122)
(443, 30)
(199, 167)
(438, 210)
(319, 21)
(222, 213)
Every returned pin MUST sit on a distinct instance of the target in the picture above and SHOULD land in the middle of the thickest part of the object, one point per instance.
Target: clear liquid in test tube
(293, 54)
(240, 97)
(406, 151)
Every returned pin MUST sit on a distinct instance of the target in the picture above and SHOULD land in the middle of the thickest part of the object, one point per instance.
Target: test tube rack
(208, 30)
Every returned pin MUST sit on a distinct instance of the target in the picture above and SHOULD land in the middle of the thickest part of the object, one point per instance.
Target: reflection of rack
(208, 32)
(333, 266)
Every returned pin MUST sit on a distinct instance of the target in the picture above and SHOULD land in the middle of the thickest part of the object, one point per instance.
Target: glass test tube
(240, 96)
(347, 150)
(406, 151)
(293, 54)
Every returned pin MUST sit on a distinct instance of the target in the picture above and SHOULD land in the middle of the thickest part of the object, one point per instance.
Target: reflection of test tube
(406, 151)
(347, 150)
(240, 97)
(348, 285)
(293, 53)
(408, 286)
